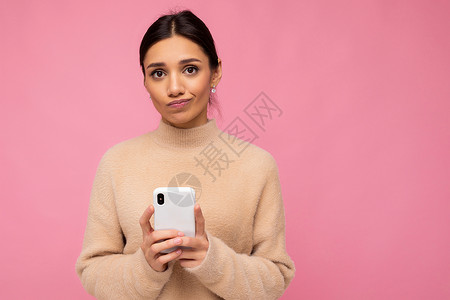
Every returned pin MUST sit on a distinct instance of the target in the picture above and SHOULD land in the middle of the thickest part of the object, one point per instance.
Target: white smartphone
(174, 209)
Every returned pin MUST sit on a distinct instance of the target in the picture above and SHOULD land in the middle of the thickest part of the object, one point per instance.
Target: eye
(191, 69)
(157, 74)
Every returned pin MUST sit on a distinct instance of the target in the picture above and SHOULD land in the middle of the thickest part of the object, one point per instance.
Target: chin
(179, 120)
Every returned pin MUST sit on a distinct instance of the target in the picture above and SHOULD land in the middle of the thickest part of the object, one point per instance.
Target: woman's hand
(199, 244)
(151, 245)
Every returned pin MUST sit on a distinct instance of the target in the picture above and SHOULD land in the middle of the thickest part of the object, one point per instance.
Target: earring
(213, 90)
(149, 97)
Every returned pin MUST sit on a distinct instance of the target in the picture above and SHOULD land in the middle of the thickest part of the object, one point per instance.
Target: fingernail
(179, 251)
(180, 233)
(177, 241)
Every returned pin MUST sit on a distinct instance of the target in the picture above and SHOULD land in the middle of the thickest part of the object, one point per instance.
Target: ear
(144, 81)
(217, 74)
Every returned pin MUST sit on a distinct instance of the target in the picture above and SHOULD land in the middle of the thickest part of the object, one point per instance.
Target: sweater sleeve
(105, 272)
(268, 270)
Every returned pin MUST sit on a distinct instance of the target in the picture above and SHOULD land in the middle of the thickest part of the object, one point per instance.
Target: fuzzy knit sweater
(238, 189)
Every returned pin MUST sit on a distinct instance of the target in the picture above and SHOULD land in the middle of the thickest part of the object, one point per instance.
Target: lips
(178, 101)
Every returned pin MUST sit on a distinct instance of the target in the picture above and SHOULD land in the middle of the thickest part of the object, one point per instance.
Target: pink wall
(362, 145)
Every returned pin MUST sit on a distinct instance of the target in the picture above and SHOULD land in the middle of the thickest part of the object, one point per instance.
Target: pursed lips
(178, 101)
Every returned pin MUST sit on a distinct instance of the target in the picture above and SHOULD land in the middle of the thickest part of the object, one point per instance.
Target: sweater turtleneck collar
(168, 135)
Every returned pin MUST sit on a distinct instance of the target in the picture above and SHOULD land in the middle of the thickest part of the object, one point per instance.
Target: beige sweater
(240, 196)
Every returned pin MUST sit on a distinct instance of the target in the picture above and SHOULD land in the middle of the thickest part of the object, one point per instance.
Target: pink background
(362, 146)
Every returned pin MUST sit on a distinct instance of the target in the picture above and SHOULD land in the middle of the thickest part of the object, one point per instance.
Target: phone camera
(160, 199)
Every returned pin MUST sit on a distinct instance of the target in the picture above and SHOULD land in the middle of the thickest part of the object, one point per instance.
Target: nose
(176, 86)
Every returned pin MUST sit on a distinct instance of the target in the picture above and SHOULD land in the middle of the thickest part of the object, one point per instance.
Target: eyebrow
(181, 62)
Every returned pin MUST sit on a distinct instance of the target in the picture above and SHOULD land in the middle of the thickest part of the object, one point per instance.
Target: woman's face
(178, 79)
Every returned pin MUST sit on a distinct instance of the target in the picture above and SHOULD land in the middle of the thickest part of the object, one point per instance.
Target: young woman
(238, 251)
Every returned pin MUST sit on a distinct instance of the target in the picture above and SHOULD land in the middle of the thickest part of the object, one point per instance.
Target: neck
(175, 137)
